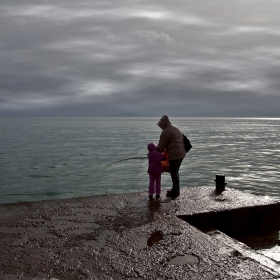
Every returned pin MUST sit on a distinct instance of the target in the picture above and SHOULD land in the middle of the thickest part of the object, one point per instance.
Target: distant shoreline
(133, 116)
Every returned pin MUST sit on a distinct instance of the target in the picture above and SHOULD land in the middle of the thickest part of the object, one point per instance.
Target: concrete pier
(128, 236)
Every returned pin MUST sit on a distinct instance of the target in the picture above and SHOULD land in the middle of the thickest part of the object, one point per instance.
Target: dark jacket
(171, 139)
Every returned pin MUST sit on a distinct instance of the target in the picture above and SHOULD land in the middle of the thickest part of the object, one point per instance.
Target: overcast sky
(178, 57)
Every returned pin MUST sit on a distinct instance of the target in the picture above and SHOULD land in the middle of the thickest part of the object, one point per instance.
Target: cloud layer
(100, 58)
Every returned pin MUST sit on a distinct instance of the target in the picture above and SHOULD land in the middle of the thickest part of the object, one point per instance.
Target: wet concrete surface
(128, 236)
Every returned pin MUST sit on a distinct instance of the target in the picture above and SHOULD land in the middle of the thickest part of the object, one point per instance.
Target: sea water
(50, 158)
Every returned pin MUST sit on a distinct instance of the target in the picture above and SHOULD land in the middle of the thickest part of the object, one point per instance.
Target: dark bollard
(220, 182)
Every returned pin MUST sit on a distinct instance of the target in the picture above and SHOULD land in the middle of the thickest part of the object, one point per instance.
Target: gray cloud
(96, 58)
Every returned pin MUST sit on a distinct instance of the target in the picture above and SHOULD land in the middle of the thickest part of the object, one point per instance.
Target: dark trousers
(174, 166)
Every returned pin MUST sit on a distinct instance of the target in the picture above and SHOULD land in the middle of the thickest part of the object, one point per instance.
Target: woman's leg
(174, 166)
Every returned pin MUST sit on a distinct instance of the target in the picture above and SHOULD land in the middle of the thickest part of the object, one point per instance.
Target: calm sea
(60, 158)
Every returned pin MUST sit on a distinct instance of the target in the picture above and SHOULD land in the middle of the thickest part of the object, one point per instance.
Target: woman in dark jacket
(171, 139)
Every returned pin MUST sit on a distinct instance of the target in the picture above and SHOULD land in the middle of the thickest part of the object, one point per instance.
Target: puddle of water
(74, 276)
(62, 218)
(110, 212)
(87, 213)
(80, 210)
(85, 228)
(154, 237)
(73, 204)
(141, 204)
(37, 220)
(65, 225)
(20, 241)
(98, 244)
(90, 225)
(82, 216)
(181, 260)
(9, 230)
(39, 232)
(106, 233)
(79, 231)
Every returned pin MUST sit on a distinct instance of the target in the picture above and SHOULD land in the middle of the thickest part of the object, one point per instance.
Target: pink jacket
(155, 159)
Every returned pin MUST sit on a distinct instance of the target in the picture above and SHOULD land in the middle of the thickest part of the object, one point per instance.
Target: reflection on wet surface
(39, 232)
(130, 238)
(64, 224)
(154, 237)
(97, 211)
(8, 230)
(98, 244)
(181, 260)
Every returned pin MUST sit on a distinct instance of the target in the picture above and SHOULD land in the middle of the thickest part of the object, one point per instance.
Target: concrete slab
(128, 236)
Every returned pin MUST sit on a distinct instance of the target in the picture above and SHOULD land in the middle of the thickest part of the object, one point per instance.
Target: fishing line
(105, 176)
(125, 159)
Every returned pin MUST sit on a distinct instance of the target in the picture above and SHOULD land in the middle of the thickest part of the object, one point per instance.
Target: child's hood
(151, 147)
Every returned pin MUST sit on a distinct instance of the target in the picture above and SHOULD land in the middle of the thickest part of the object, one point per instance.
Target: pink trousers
(155, 180)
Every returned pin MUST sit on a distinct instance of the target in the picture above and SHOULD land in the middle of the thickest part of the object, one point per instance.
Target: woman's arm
(162, 144)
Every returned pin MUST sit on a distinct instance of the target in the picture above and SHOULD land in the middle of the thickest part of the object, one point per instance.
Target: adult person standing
(171, 139)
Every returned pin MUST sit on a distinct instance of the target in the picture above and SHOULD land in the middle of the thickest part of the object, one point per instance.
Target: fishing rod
(126, 159)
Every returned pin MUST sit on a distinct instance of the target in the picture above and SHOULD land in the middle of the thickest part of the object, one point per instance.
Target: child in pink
(155, 169)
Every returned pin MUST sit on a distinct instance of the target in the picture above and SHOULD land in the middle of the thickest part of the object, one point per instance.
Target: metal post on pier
(220, 182)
